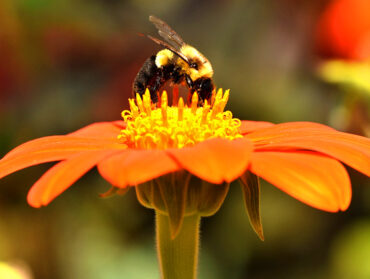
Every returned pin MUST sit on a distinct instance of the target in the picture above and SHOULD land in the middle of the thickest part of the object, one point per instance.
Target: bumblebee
(178, 63)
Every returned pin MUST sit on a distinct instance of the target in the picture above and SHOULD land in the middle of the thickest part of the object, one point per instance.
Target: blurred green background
(65, 64)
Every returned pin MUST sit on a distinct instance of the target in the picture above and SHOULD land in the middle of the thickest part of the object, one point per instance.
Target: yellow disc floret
(149, 127)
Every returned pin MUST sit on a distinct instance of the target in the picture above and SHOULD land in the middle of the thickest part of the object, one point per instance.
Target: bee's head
(198, 66)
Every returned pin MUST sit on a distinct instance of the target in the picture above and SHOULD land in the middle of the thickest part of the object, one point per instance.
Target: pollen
(160, 126)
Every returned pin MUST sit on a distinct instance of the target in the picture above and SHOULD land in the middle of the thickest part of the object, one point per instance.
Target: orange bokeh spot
(343, 30)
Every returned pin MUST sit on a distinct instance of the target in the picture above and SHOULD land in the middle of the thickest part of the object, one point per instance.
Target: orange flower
(300, 158)
(344, 30)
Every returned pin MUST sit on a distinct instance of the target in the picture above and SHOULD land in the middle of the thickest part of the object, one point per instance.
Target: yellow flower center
(179, 125)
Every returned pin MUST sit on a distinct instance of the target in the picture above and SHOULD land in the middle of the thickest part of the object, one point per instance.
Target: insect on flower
(181, 158)
(179, 63)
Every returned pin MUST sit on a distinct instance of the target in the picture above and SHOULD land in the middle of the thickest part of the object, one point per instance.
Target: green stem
(178, 258)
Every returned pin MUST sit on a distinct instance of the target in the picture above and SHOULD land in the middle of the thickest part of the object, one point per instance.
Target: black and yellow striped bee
(178, 63)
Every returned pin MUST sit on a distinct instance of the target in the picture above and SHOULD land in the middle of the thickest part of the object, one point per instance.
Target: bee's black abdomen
(154, 78)
(147, 77)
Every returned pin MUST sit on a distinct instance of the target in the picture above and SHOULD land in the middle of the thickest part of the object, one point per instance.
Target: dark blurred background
(67, 63)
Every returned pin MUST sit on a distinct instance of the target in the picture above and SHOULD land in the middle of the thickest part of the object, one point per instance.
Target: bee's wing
(167, 33)
(171, 48)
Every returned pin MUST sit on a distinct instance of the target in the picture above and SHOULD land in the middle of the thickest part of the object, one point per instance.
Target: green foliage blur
(65, 64)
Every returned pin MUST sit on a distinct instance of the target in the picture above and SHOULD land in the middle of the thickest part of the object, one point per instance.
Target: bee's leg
(158, 82)
(192, 89)
(189, 82)
(176, 76)
(204, 88)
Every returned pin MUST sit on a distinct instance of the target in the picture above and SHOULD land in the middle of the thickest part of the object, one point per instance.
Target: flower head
(300, 158)
(177, 126)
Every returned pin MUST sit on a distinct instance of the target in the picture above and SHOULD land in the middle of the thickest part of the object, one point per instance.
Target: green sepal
(205, 198)
(174, 199)
(149, 196)
(251, 192)
(181, 194)
(114, 191)
(167, 196)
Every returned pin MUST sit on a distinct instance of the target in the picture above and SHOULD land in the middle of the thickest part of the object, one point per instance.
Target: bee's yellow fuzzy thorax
(165, 56)
(205, 68)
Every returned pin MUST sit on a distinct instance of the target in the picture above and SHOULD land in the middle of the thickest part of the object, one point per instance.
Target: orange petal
(314, 179)
(101, 130)
(250, 126)
(215, 160)
(286, 129)
(351, 149)
(60, 177)
(53, 148)
(66, 143)
(132, 167)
